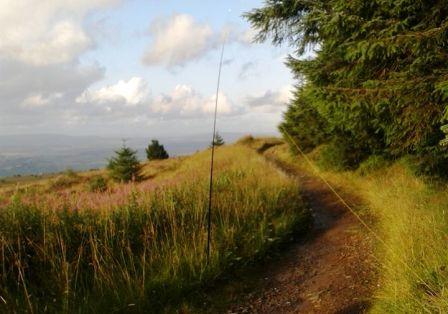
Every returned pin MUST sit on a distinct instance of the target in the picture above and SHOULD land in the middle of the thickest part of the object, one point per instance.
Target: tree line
(376, 83)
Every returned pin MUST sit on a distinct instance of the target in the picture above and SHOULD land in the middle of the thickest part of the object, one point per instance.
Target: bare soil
(331, 271)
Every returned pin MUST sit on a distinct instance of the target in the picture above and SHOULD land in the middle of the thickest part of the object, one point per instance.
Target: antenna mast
(209, 214)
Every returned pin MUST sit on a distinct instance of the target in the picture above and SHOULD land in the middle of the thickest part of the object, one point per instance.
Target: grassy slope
(139, 246)
(411, 217)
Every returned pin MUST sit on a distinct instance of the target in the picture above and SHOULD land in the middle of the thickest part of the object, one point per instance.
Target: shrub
(373, 163)
(156, 151)
(64, 181)
(430, 164)
(125, 165)
(337, 156)
(97, 184)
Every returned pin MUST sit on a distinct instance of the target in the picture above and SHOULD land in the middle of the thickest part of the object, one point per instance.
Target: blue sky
(136, 67)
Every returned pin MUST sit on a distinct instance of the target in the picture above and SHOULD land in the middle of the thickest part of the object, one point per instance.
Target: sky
(136, 68)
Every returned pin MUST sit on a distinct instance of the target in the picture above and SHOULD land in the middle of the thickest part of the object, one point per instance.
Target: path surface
(329, 272)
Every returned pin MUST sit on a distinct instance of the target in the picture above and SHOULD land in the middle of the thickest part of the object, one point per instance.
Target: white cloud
(43, 96)
(39, 100)
(184, 101)
(45, 32)
(132, 92)
(271, 101)
(177, 40)
(235, 34)
(180, 39)
(131, 99)
(41, 75)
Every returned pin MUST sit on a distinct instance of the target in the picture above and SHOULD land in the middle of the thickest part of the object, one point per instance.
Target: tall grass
(144, 252)
(411, 216)
(414, 223)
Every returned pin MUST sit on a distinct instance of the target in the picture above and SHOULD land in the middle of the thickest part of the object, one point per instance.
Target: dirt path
(329, 272)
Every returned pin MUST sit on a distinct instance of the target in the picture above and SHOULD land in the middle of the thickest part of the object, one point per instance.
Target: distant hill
(46, 153)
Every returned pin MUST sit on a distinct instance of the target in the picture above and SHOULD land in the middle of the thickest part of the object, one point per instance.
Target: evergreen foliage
(156, 151)
(219, 141)
(125, 165)
(378, 78)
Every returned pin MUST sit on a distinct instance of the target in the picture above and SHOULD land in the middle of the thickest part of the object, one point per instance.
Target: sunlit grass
(141, 246)
(410, 215)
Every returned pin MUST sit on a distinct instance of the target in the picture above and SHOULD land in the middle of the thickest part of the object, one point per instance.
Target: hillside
(68, 246)
(142, 245)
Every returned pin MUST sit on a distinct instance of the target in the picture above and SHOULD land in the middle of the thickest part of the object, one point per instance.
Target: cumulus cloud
(44, 85)
(131, 99)
(184, 101)
(41, 96)
(131, 93)
(235, 34)
(41, 75)
(177, 40)
(270, 101)
(45, 32)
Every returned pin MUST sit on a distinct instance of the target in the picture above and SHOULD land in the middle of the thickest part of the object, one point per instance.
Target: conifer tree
(124, 166)
(156, 151)
(378, 76)
(219, 141)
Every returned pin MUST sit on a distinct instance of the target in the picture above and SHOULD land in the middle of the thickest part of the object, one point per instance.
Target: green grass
(410, 214)
(413, 221)
(141, 247)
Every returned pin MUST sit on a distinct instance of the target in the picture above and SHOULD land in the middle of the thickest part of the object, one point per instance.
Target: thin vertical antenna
(210, 194)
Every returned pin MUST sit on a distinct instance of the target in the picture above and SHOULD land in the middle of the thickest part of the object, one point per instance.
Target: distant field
(66, 247)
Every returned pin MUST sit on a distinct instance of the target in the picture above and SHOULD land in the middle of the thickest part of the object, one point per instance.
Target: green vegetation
(141, 246)
(372, 164)
(409, 214)
(65, 180)
(218, 141)
(373, 97)
(377, 83)
(124, 167)
(156, 151)
(412, 219)
(97, 184)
